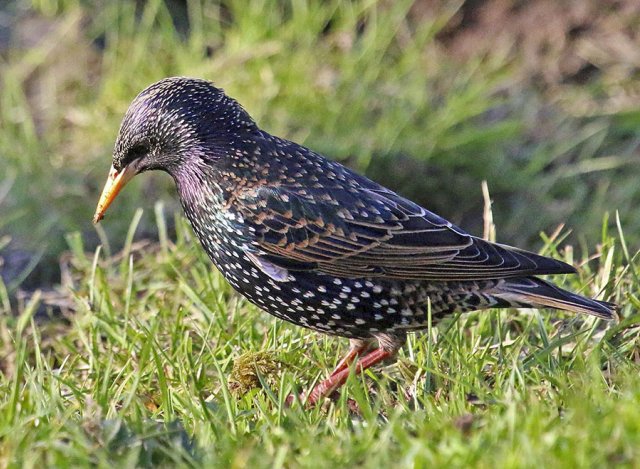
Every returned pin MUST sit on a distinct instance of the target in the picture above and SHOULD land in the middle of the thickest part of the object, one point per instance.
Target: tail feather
(537, 293)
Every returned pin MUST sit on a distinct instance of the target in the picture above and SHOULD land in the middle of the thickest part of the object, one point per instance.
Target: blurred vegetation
(155, 362)
(144, 355)
(427, 97)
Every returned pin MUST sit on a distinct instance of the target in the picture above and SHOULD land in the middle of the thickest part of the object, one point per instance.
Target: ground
(122, 345)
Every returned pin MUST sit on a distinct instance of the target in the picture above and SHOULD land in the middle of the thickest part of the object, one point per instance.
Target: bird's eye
(137, 151)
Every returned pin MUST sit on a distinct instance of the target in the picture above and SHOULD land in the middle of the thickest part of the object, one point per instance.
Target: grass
(146, 357)
(143, 369)
(368, 83)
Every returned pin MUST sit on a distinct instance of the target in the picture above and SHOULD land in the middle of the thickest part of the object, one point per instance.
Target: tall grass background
(120, 344)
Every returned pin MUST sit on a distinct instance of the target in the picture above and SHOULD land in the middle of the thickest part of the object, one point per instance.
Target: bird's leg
(389, 344)
(339, 377)
(357, 347)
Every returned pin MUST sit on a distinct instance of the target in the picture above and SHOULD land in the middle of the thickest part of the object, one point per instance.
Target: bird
(311, 241)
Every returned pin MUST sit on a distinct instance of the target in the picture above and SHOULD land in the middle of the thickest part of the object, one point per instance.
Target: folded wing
(372, 232)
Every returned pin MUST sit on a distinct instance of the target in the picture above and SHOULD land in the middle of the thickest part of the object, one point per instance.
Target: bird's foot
(329, 386)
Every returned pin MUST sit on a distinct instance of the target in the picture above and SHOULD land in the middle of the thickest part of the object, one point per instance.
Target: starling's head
(174, 123)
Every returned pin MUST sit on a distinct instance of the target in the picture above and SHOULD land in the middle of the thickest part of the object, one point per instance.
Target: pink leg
(357, 347)
(340, 375)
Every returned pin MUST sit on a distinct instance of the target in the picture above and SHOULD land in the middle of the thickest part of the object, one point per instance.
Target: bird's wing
(362, 232)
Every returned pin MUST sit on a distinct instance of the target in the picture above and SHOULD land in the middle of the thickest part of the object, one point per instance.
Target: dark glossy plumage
(312, 242)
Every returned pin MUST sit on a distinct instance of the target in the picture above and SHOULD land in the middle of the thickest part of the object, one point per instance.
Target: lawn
(122, 346)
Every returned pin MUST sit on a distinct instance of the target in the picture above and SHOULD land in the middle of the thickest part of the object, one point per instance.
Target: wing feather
(372, 231)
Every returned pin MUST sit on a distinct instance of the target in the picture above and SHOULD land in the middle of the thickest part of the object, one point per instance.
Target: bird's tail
(537, 293)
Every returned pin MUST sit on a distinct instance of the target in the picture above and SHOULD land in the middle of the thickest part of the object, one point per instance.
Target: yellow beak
(115, 182)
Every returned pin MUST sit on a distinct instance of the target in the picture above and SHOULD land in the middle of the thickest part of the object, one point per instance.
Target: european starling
(312, 242)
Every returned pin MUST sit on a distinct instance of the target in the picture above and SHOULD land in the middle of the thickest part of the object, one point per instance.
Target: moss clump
(250, 367)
